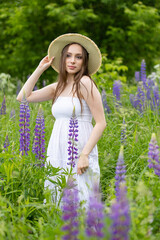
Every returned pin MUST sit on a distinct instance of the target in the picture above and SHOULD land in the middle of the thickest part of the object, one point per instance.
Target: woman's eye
(68, 55)
(79, 57)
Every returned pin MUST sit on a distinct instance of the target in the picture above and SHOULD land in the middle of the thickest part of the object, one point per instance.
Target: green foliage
(109, 72)
(140, 36)
(125, 30)
(6, 85)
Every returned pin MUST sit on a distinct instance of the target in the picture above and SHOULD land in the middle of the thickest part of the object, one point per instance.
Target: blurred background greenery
(126, 31)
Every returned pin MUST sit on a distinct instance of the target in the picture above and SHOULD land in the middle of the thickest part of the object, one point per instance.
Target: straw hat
(57, 45)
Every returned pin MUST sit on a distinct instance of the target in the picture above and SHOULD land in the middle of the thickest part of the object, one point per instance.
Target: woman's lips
(72, 67)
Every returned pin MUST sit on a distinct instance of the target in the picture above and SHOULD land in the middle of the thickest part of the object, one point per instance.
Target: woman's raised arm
(43, 94)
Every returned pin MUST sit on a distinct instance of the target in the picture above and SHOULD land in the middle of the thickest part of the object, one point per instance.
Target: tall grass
(23, 214)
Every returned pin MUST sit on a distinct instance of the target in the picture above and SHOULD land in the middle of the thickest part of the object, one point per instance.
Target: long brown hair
(62, 79)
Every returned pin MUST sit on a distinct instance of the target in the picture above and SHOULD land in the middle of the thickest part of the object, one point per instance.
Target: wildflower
(6, 142)
(44, 83)
(3, 106)
(95, 215)
(140, 99)
(153, 155)
(35, 88)
(120, 216)
(72, 145)
(116, 89)
(137, 76)
(24, 126)
(143, 74)
(106, 107)
(156, 96)
(70, 205)
(123, 132)
(120, 171)
(133, 100)
(39, 141)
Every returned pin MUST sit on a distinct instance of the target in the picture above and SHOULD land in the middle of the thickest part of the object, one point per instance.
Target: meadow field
(133, 122)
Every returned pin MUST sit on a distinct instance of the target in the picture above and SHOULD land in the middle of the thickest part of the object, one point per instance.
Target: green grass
(23, 215)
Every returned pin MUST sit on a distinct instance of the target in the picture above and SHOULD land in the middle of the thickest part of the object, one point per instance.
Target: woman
(75, 57)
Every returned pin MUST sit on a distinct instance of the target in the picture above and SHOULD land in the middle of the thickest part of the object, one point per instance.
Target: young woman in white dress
(75, 57)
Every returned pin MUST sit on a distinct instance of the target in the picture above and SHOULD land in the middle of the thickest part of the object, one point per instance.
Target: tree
(122, 29)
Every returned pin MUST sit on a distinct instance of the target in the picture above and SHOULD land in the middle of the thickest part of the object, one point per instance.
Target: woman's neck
(70, 78)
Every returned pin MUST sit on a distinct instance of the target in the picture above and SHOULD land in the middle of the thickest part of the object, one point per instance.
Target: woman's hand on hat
(83, 164)
(45, 63)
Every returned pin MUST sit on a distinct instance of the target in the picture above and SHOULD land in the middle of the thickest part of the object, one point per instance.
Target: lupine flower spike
(70, 207)
(143, 74)
(3, 106)
(153, 155)
(73, 138)
(95, 215)
(6, 142)
(141, 99)
(147, 92)
(24, 126)
(120, 171)
(44, 83)
(156, 97)
(39, 141)
(117, 91)
(104, 100)
(137, 76)
(120, 216)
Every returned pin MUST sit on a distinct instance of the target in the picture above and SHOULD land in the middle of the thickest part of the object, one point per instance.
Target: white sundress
(57, 154)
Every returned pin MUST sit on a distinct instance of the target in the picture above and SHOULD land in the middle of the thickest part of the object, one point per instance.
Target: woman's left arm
(94, 102)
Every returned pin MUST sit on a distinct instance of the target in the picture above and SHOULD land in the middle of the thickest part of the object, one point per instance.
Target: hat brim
(57, 45)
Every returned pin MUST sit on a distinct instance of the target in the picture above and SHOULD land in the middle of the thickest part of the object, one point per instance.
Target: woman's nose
(73, 59)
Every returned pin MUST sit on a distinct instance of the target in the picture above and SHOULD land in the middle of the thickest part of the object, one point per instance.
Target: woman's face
(74, 59)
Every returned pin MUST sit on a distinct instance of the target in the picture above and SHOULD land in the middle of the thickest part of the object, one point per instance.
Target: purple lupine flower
(24, 126)
(153, 155)
(120, 216)
(73, 138)
(140, 99)
(104, 100)
(6, 142)
(3, 106)
(137, 76)
(156, 97)
(39, 141)
(123, 133)
(116, 89)
(143, 74)
(12, 114)
(120, 171)
(35, 88)
(70, 205)
(133, 100)
(95, 215)
(44, 83)
(149, 89)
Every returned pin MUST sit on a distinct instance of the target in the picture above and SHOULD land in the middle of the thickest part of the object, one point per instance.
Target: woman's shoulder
(86, 82)
(86, 86)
